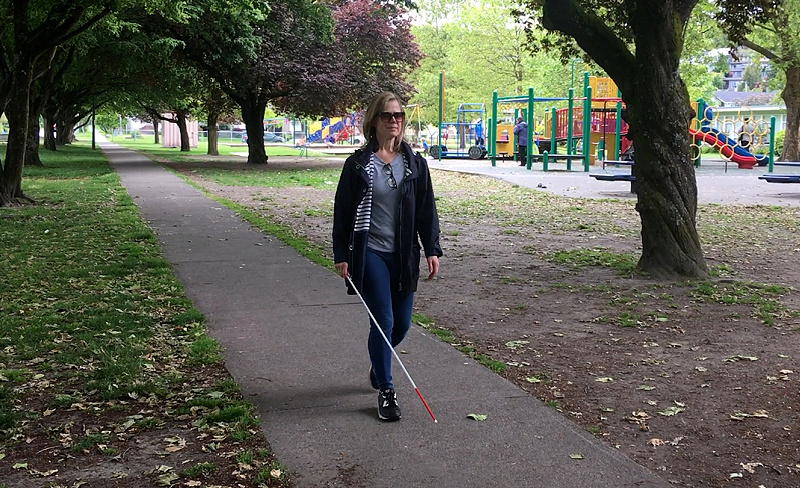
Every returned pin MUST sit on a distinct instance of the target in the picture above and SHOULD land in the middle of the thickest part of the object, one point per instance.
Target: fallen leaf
(43, 473)
(656, 442)
(576, 456)
(740, 357)
(533, 379)
(670, 411)
(604, 379)
(275, 473)
(646, 387)
(750, 467)
(477, 416)
(167, 479)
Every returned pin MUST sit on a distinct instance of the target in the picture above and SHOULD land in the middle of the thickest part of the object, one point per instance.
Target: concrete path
(296, 343)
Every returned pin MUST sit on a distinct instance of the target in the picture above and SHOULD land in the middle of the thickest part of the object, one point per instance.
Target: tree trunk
(181, 116)
(791, 96)
(49, 141)
(666, 187)
(658, 109)
(213, 139)
(64, 133)
(32, 145)
(156, 122)
(253, 116)
(17, 112)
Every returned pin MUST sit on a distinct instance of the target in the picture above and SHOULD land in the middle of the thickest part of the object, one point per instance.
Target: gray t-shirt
(386, 193)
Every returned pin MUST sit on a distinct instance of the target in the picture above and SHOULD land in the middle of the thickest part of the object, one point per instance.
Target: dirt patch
(696, 381)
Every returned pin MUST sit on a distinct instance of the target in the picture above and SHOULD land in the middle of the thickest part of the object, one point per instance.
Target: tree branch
(760, 49)
(593, 36)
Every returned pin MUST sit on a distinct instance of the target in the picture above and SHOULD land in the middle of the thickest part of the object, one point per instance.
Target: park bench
(617, 175)
(568, 158)
(777, 178)
(771, 178)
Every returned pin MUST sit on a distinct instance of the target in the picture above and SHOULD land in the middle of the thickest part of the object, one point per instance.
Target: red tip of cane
(426, 405)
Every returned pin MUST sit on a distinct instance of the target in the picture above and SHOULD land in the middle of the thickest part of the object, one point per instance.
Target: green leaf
(532, 379)
(477, 416)
(670, 411)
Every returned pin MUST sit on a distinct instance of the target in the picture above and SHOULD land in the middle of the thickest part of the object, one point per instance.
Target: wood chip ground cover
(670, 398)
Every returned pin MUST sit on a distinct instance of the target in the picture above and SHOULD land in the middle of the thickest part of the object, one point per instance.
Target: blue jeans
(391, 309)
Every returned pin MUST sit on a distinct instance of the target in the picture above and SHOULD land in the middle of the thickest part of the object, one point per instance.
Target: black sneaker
(373, 380)
(388, 409)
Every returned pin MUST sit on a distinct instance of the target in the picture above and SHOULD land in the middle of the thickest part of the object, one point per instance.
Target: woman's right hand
(341, 268)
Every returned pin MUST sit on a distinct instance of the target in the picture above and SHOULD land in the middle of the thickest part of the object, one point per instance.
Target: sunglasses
(388, 116)
(387, 170)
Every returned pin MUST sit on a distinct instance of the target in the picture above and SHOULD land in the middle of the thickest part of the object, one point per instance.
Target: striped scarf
(364, 209)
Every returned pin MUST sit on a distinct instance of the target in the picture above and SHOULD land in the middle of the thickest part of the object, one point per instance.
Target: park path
(296, 344)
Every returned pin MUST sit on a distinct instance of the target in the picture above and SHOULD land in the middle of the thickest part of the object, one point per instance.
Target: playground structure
(725, 136)
(335, 128)
(596, 119)
(466, 132)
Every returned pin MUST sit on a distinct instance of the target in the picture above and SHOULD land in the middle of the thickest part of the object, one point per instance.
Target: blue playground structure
(470, 135)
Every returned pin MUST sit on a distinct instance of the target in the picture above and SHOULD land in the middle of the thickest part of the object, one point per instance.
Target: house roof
(728, 97)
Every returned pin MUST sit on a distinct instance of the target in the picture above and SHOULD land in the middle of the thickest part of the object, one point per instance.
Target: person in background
(384, 213)
(479, 133)
(521, 131)
(746, 133)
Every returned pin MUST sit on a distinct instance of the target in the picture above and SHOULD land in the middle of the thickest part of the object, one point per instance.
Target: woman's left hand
(433, 266)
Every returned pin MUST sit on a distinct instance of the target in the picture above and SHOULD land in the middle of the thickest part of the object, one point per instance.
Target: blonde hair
(375, 107)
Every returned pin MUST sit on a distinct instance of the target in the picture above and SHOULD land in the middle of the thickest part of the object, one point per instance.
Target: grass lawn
(225, 149)
(101, 351)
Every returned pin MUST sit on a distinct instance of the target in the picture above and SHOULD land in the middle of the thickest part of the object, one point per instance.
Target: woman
(383, 212)
(521, 131)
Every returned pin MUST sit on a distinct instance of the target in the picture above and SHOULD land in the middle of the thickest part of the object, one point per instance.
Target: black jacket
(418, 222)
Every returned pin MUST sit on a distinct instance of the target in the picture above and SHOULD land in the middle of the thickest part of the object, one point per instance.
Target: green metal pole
(572, 75)
(587, 122)
(531, 121)
(701, 112)
(493, 140)
(490, 130)
(545, 160)
(570, 107)
(553, 149)
(441, 113)
(771, 144)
